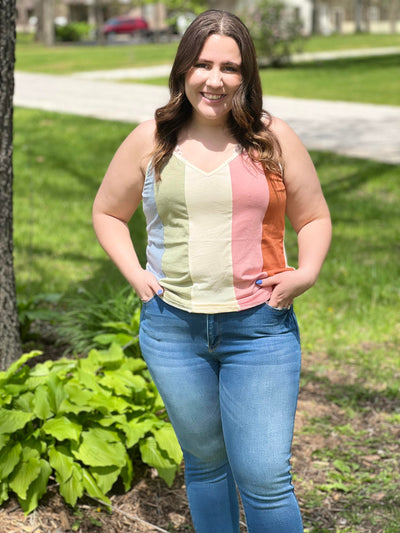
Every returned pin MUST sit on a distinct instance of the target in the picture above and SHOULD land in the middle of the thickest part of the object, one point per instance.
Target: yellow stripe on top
(171, 205)
(209, 205)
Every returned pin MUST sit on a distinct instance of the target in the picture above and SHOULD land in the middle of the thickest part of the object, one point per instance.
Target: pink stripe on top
(250, 199)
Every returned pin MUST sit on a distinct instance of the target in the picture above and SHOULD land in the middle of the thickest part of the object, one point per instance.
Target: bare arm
(117, 199)
(309, 215)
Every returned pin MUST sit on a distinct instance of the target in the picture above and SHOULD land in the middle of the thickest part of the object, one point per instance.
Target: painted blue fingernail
(159, 292)
(259, 282)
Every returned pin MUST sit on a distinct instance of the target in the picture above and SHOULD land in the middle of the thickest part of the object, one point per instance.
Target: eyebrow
(227, 63)
(233, 64)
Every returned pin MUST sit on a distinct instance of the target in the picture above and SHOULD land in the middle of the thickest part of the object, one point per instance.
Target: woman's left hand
(286, 286)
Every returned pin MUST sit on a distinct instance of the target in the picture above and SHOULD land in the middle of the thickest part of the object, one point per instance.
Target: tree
(10, 344)
(195, 6)
(45, 11)
(358, 15)
(315, 18)
(393, 8)
(98, 7)
(276, 31)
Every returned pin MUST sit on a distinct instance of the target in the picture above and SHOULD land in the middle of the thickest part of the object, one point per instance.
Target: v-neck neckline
(236, 151)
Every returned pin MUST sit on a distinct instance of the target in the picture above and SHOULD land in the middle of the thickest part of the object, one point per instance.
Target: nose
(214, 78)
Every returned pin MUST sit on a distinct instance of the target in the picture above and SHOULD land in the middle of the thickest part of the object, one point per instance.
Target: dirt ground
(151, 506)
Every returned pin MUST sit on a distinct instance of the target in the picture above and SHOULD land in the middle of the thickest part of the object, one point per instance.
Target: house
(350, 16)
(340, 16)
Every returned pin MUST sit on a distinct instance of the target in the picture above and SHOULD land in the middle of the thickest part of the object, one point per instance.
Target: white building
(336, 16)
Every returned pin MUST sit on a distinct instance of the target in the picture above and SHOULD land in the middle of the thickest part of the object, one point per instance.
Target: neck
(207, 132)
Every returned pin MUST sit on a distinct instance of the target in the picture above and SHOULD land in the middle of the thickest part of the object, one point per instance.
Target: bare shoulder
(127, 168)
(277, 124)
(146, 129)
(284, 133)
(294, 152)
(298, 166)
(140, 142)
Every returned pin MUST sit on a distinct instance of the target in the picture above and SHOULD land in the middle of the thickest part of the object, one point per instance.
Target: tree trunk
(44, 10)
(315, 29)
(393, 9)
(358, 15)
(99, 17)
(10, 344)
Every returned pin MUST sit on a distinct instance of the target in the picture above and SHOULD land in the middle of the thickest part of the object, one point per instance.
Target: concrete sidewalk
(360, 130)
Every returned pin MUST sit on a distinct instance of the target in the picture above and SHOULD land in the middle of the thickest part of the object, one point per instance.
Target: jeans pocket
(149, 301)
(281, 310)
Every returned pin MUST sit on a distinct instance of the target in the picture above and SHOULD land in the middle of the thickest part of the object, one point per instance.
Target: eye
(231, 68)
(201, 65)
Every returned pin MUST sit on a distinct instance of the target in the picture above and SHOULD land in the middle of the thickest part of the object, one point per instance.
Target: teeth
(213, 96)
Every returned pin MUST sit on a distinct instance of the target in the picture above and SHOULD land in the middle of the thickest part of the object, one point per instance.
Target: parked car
(126, 25)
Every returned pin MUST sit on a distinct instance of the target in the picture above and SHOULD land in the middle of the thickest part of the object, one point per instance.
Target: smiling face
(212, 81)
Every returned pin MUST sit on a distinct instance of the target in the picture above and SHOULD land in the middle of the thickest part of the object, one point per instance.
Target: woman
(217, 175)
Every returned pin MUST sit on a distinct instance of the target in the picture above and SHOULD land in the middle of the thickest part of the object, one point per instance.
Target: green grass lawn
(59, 162)
(322, 43)
(67, 58)
(372, 80)
(349, 320)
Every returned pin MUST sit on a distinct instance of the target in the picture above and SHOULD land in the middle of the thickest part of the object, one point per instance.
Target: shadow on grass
(359, 396)
(43, 260)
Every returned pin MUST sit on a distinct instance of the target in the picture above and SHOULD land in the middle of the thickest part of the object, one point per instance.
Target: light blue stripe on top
(155, 229)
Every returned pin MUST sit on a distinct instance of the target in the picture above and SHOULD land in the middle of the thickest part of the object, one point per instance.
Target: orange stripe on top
(273, 248)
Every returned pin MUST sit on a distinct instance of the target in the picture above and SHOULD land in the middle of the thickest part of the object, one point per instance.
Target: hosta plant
(81, 421)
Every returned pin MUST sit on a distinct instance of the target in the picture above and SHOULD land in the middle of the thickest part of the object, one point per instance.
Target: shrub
(74, 31)
(83, 420)
(276, 31)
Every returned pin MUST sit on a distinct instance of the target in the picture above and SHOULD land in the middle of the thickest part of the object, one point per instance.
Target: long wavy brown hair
(248, 122)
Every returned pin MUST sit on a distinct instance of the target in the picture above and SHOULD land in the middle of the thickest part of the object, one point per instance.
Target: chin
(214, 115)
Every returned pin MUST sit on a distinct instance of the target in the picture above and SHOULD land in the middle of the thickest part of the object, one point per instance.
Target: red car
(125, 24)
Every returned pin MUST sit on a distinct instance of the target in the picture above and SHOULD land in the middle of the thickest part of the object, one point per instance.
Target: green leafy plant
(276, 31)
(94, 319)
(83, 420)
(74, 31)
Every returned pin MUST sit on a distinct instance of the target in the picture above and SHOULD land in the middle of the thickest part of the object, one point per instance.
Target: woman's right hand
(146, 285)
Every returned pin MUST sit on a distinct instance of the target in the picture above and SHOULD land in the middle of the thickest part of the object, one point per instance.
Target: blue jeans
(230, 385)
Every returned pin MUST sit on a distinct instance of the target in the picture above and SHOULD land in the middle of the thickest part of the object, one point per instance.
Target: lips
(213, 97)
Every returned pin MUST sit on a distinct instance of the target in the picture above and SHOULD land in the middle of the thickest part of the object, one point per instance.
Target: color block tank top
(211, 235)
